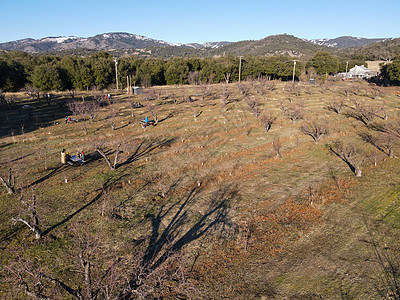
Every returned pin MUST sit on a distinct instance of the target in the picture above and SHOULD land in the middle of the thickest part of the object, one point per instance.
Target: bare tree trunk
(116, 156)
(155, 117)
(65, 287)
(358, 171)
(101, 152)
(34, 228)
(10, 183)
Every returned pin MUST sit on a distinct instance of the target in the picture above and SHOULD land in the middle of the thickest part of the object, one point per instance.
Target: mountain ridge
(126, 43)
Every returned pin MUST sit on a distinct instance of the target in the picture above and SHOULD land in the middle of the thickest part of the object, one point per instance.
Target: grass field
(201, 205)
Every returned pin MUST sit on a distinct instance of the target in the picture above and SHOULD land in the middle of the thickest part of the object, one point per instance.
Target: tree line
(19, 70)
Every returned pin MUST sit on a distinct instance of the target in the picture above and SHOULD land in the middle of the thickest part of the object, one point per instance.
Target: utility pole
(347, 65)
(240, 67)
(127, 85)
(116, 72)
(294, 69)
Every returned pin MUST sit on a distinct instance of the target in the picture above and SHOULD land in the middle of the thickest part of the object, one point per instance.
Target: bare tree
(33, 223)
(276, 145)
(267, 119)
(111, 118)
(226, 94)
(9, 182)
(350, 154)
(119, 149)
(336, 106)
(205, 92)
(315, 129)
(294, 112)
(194, 78)
(154, 112)
(6, 102)
(383, 142)
(383, 109)
(104, 153)
(243, 89)
(375, 92)
(292, 90)
(32, 92)
(365, 114)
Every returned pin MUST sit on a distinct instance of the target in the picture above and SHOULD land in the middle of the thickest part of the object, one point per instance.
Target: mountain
(385, 50)
(346, 42)
(121, 43)
(282, 44)
(105, 41)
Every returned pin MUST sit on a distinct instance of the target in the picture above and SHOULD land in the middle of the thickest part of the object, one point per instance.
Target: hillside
(273, 45)
(106, 41)
(120, 43)
(210, 202)
(386, 50)
(346, 42)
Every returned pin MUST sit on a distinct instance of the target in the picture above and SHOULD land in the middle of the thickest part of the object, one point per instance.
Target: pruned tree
(243, 89)
(194, 78)
(205, 92)
(226, 94)
(294, 112)
(6, 102)
(32, 92)
(276, 146)
(153, 110)
(115, 151)
(383, 109)
(105, 154)
(383, 142)
(31, 219)
(97, 273)
(350, 154)
(111, 118)
(315, 129)
(365, 114)
(375, 92)
(252, 102)
(336, 106)
(392, 128)
(9, 181)
(267, 119)
(292, 90)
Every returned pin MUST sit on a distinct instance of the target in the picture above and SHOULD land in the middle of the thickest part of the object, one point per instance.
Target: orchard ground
(207, 182)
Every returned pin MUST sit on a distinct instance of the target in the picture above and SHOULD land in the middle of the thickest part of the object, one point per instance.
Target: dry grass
(275, 205)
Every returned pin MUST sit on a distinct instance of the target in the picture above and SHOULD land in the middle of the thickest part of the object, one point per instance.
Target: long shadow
(352, 168)
(142, 150)
(107, 184)
(162, 244)
(15, 159)
(55, 171)
(166, 118)
(18, 120)
(366, 137)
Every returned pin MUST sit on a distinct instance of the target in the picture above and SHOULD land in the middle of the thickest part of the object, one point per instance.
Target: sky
(189, 21)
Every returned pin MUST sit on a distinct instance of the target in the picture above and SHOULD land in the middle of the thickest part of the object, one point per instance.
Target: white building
(358, 72)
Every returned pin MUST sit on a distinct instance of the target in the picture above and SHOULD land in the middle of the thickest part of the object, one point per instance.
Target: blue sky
(188, 21)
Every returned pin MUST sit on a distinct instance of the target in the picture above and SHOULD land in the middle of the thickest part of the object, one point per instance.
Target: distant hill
(346, 42)
(385, 50)
(105, 41)
(282, 44)
(121, 43)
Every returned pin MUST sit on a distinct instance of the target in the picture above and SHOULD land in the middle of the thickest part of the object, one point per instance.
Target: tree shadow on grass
(107, 184)
(352, 168)
(178, 232)
(55, 171)
(143, 150)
